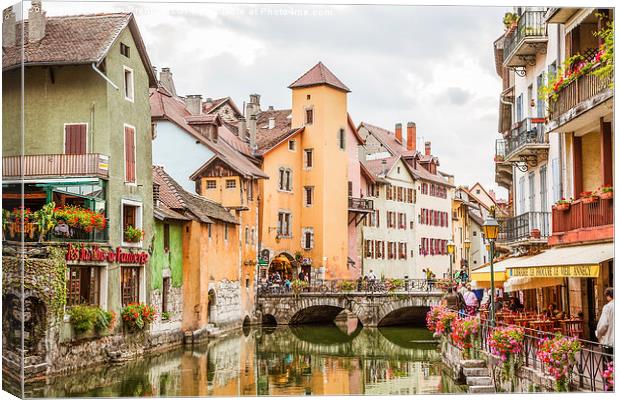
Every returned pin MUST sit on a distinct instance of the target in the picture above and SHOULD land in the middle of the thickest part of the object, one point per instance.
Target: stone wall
(175, 309)
(226, 310)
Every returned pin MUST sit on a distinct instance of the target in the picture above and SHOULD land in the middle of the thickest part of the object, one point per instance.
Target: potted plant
(80, 218)
(563, 204)
(510, 19)
(15, 219)
(588, 197)
(137, 316)
(558, 354)
(606, 192)
(535, 233)
(45, 219)
(133, 235)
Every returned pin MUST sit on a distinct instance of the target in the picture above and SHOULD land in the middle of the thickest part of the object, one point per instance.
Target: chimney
(193, 102)
(242, 128)
(272, 123)
(252, 132)
(36, 22)
(255, 100)
(270, 108)
(411, 136)
(398, 132)
(8, 27)
(165, 79)
(427, 148)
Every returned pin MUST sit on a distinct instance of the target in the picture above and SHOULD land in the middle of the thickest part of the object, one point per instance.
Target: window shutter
(75, 139)
(130, 161)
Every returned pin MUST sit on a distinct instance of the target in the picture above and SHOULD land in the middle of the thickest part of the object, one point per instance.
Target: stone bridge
(376, 309)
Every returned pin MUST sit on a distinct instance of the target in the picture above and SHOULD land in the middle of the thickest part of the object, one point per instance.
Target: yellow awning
(565, 262)
(515, 283)
(483, 274)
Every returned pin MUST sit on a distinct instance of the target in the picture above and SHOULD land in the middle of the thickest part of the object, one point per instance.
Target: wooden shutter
(130, 155)
(75, 139)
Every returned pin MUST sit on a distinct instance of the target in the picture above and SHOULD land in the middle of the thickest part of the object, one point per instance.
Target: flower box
(562, 206)
(589, 199)
(607, 195)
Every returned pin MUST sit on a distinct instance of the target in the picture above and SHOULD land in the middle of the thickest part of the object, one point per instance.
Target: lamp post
(467, 246)
(451, 252)
(491, 231)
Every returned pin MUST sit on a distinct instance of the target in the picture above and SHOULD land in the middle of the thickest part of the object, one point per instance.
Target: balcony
(13, 232)
(503, 169)
(528, 38)
(55, 165)
(532, 227)
(583, 222)
(357, 204)
(527, 142)
(584, 95)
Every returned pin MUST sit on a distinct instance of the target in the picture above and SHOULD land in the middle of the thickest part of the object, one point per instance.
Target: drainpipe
(103, 76)
(561, 134)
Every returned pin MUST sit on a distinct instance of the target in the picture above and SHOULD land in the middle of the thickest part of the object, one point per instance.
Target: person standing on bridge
(371, 276)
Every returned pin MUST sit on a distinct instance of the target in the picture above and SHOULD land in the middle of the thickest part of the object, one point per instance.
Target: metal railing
(534, 224)
(528, 131)
(580, 90)
(344, 286)
(13, 231)
(92, 164)
(581, 215)
(530, 24)
(587, 373)
(356, 203)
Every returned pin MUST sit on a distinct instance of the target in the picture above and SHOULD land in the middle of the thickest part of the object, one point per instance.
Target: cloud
(429, 64)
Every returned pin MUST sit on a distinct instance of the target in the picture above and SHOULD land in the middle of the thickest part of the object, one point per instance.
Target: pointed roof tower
(319, 75)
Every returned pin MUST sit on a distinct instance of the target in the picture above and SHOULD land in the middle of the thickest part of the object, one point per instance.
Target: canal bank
(318, 360)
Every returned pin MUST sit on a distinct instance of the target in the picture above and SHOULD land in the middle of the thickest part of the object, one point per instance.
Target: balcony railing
(46, 165)
(581, 90)
(530, 27)
(500, 150)
(359, 204)
(13, 231)
(529, 133)
(581, 215)
(529, 225)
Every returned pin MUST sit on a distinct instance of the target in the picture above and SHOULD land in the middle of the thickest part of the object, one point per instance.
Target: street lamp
(450, 252)
(467, 245)
(491, 231)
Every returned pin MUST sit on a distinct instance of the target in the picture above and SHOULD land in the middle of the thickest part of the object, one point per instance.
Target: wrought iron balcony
(48, 165)
(583, 221)
(578, 97)
(527, 38)
(503, 169)
(529, 226)
(357, 204)
(526, 143)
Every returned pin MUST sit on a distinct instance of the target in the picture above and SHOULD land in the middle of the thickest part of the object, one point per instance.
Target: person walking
(471, 301)
(605, 327)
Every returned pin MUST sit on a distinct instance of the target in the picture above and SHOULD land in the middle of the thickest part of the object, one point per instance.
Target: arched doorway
(283, 265)
(211, 306)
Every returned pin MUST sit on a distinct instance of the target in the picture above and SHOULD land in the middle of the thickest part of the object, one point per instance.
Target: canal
(316, 360)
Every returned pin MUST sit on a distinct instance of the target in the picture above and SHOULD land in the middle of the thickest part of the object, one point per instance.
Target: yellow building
(303, 211)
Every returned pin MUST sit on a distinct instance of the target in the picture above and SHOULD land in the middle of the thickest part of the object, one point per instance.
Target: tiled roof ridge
(171, 183)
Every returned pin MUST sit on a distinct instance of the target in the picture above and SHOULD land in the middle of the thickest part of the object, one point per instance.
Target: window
(307, 238)
(543, 188)
(284, 223)
(130, 285)
(341, 139)
(231, 184)
(532, 193)
(83, 285)
(555, 172)
(291, 145)
(211, 184)
(309, 116)
(529, 100)
(75, 138)
(209, 230)
(247, 235)
(350, 188)
(130, 154)
(521, 195)
(125, 50)
(308, 158)
(166, 238)
(540, 102)
(250, 190)
(225, 231)
(128, 85)
(165, 294)
(132, 217)
(252, 236)
(519, 110)
(307, 97)
(285, 182)
(308, 195)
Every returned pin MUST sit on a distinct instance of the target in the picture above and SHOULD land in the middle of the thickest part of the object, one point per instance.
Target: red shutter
(130, 156)
(75, 139)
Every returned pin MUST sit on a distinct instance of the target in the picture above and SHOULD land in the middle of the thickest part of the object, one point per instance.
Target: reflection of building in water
(383, 377)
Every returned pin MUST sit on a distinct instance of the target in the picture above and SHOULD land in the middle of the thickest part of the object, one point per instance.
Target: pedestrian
(605, 327)
(301, 276)
(451, 300)
(371, 276)
(471, 301)
(461, 302)
(360, 281)
(429, 278)
(287, 285)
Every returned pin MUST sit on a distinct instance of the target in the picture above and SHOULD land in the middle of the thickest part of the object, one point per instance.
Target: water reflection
(274, 361)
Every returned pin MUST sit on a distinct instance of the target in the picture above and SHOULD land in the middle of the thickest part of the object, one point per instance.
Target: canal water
(321, 360)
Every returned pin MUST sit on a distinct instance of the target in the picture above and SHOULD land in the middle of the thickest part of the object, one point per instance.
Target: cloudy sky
(429, 64)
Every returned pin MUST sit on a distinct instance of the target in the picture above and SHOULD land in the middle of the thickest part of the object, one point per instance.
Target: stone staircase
(477, 376)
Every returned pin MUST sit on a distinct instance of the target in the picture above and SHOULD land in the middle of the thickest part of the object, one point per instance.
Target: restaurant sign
(561, 271)
(96, 253)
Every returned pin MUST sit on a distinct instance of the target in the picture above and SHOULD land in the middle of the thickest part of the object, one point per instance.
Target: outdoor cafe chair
(572, 327)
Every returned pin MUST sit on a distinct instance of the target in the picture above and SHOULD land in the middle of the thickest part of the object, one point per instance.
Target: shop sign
(562, 271)
(96, 253)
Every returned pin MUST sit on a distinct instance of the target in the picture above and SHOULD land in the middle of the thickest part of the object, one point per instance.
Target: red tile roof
(76, 39)
(319, 75)
(388, 139)
(166, 106)
(174, 197)
(378, 168)
(267, 139)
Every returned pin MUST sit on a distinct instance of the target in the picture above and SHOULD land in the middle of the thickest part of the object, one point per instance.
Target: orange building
(303, 207)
